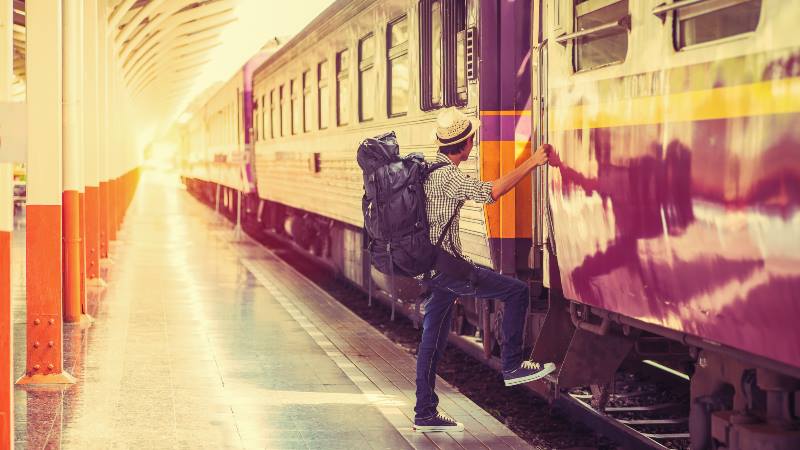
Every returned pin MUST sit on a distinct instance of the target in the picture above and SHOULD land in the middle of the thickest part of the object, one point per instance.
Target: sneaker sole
(437, 429)
(529, 378)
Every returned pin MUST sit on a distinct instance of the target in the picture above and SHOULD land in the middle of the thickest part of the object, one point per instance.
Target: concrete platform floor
(204, 342)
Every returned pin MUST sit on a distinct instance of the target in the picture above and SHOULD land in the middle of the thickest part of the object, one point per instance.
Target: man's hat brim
(474, 128)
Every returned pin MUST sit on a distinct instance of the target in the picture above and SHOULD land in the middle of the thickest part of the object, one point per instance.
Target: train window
(308, 109)
(711, 21)
(322, 92)
(366, 78)
(603, 40)
(458, 20)
(275, 116)
(263, 117)
(443, 53)
(430, 17)
(286, 113)
(297, 107)
(342, 87)
(256, 111)
(398, 67)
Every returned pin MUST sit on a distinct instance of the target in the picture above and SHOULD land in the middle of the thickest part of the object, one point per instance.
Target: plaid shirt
(446, 189)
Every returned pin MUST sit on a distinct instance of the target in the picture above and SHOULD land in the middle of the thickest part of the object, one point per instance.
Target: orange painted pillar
(103, 217)
(82, 234)
(74, 276)
(112, 209)
(44, 346)
(91, 132)
(6, 311)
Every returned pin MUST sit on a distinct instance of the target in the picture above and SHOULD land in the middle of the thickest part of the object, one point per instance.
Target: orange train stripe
(755, 99)
(44, 287)
(510, 217)
(6, 343)
(72, 255)
(92, 232)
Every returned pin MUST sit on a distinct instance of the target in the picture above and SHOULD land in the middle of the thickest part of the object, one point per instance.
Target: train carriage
(674, 200)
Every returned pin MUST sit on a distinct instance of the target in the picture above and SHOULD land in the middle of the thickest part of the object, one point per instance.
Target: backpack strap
(449, 224)
(435, 166)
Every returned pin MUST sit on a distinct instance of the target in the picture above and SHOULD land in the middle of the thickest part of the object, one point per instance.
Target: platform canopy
(170, 51)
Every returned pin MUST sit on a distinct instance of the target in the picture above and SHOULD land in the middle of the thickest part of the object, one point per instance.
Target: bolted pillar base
(85, 321)
(96, 283)
(106, 262)
(46, 379)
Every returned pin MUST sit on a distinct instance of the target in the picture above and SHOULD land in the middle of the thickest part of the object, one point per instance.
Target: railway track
(646, 407)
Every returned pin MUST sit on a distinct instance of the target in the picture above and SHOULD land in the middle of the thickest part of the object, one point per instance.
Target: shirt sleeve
(459, 186)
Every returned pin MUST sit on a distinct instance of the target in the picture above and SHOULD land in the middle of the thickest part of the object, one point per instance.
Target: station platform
(204, 341)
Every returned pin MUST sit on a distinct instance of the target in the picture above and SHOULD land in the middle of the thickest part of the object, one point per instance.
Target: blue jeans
(439, 314)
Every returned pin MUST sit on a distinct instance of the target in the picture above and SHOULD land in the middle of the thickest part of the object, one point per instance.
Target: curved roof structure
(168, 52)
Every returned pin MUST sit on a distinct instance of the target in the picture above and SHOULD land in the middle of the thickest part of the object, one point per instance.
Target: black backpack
(394, 207)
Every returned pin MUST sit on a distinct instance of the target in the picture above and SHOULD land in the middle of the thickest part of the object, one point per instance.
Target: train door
(538, 62)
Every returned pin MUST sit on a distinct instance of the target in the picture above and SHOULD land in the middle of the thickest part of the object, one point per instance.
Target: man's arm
(509, 180)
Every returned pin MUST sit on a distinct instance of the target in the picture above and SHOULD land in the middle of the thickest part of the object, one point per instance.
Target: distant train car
(666, 227)
(217, 151)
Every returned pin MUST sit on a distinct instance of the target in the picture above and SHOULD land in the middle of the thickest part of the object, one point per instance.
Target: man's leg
(435, 327)
(515, 296)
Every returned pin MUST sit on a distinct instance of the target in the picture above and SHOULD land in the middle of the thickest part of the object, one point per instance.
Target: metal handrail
(623, 22)
(663, 9)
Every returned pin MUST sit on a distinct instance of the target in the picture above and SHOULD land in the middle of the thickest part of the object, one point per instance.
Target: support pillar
(92, 130)
(74, 266)
(44, 362)
(104, 124)
(6, 227)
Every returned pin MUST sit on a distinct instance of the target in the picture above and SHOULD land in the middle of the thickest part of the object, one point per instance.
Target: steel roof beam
(181, 25)
(174, 52)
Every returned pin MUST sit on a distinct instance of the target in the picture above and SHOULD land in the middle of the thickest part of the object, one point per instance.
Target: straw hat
(453, 127)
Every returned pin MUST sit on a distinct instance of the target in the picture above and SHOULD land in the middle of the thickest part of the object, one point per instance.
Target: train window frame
(395, 53)
(343, 87)
(263, 116)
(296, 106)
(308, 107)
(286, 117)
(709, 9)
(430, 97)
(454, 56)
(323, 95)
(366, 65)
(275, 122)
(574, 39)
(256, 128)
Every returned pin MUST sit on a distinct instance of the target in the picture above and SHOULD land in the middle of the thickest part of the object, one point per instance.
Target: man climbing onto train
(446, 189)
